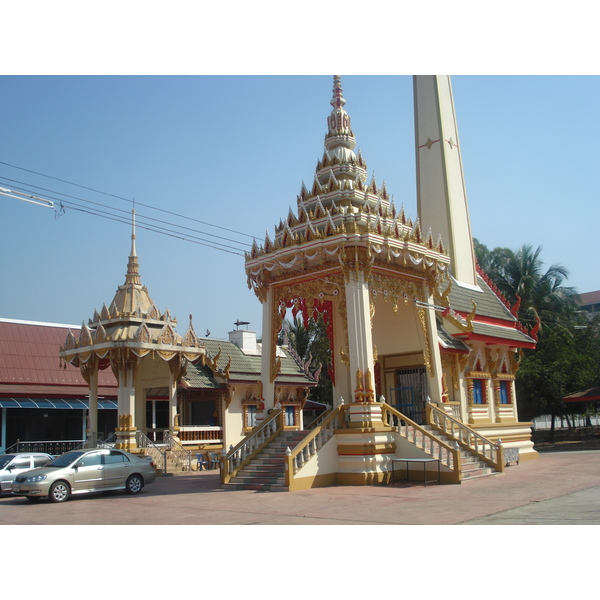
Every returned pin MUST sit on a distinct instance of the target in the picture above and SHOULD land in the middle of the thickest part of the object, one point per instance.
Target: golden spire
(133, 267)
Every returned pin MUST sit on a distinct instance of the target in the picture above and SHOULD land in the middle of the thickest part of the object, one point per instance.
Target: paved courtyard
(561, 488)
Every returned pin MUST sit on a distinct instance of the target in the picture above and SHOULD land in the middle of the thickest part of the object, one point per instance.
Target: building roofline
(38, 323)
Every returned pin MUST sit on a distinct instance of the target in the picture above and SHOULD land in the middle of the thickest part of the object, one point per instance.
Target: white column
(435, 357)
(93, 405)
(172, 400)
(126, 397)
(140, 403)
(360, 339)
(268, 349)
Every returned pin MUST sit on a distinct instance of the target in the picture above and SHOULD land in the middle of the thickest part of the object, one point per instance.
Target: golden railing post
(288, 468)
(457, 462)
(500, 456)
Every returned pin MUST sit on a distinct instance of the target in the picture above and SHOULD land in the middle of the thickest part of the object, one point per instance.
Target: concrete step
(258, 480)
(257, 487)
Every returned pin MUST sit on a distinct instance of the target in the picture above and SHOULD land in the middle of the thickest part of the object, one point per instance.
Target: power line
(68, 204)
(124, 219)
(126, 199)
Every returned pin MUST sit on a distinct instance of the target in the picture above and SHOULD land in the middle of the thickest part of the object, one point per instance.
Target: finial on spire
(132, 266)
(133, 250)
(338, 99)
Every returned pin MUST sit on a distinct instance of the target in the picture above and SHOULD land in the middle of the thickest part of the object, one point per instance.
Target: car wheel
(59, 491)
(33, 498)
(134, 484)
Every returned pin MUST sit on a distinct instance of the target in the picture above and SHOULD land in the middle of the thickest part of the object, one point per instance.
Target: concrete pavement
(559, 488)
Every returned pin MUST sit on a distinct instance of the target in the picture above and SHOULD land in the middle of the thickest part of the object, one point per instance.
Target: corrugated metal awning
(49, 403)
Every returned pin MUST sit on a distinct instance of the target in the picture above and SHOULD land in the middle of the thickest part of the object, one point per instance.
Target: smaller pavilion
(141, 346)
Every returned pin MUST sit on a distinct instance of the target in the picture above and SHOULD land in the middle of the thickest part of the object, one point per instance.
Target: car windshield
(4, 460)
(65, 460)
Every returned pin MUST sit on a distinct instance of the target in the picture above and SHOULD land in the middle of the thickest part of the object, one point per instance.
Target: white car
(13, 464)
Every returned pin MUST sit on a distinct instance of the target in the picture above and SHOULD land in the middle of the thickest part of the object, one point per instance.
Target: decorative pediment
(167, 335)
(142, 334)
(153, 313)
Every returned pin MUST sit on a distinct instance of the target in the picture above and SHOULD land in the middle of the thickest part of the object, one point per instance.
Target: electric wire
(127, 200)
(154, 227)
(70, 204)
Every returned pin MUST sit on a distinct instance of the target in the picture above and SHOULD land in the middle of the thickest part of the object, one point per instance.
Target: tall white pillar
(441, 191)
(92, 430)
(268, 350)
(360, 338)
(172, 401)
(435, 371)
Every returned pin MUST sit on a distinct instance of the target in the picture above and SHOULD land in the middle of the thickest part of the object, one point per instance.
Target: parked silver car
(83, 471)
(12, 465)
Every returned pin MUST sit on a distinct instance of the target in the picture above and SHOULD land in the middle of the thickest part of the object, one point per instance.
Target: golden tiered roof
(131, 321)
(339, 211)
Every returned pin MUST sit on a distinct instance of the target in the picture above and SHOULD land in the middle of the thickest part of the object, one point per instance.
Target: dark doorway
(410, 393)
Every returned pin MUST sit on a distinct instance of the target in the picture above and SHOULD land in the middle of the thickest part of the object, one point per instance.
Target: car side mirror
(79, 464)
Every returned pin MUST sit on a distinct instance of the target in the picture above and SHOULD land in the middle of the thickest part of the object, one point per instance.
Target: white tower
(441, 193)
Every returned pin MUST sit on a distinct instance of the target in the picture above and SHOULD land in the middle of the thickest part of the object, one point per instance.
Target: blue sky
(232, 151)
(219, 116)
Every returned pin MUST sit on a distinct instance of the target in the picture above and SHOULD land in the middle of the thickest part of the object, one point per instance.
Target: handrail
(319, 435)
(250, 446)
(183, 456)
(109, 442)
(421, 438)
(316, 422)
(491, 453)
(143, 441)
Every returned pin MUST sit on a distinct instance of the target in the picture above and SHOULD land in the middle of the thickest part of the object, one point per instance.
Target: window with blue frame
(504, 392)
(479, 396)
(290, 416)
(251, 416)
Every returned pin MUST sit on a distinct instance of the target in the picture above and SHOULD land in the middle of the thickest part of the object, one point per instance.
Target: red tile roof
(590, 297)
(29, 358)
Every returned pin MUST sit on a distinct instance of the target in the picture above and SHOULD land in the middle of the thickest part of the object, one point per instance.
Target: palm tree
(299, 337)
(520, 276)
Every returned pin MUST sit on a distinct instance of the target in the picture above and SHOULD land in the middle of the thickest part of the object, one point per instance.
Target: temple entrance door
(411, 392)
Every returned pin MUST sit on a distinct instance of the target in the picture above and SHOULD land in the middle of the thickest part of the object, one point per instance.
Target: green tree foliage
(567, 355)
(521, 278)
(312, 346)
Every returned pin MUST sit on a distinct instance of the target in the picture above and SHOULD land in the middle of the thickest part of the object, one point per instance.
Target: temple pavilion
(424, 348)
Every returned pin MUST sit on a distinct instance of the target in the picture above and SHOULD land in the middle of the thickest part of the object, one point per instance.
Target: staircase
(470, 465)
(266, 472)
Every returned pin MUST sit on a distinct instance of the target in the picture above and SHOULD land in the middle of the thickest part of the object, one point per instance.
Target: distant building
(44, 400)
(590, 302)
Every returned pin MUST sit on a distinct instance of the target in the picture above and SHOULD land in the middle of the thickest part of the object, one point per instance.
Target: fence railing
(53, 447)
(468, 438)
